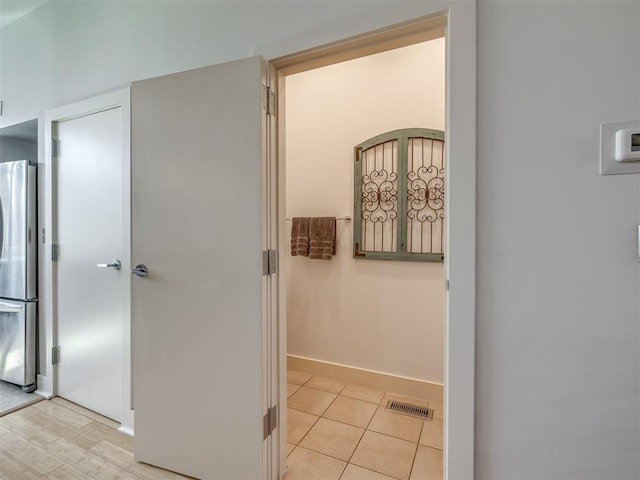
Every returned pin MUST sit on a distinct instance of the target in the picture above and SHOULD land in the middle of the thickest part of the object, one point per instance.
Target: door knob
(140, 270)
(115, 265)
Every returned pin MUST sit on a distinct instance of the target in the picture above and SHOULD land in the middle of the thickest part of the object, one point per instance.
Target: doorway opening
(459, 264)
(360, 332)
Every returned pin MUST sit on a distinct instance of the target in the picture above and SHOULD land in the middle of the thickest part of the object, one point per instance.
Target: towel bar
(346, 219)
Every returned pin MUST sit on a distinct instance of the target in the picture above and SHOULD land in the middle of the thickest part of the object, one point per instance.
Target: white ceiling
(11, 10)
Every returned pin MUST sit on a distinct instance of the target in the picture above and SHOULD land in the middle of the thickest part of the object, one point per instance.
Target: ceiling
(11, 10)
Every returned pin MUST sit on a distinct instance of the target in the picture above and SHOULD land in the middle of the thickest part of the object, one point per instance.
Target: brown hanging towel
(322, 238)
(300, 236)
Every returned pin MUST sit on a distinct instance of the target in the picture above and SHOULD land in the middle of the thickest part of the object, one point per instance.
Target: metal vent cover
(409, 409)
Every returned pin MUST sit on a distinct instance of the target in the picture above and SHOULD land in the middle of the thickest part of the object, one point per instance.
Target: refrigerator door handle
(1, 227)
(10, 307)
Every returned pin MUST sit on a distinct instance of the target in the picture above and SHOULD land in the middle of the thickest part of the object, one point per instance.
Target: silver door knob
(115, 265)
(140, 270)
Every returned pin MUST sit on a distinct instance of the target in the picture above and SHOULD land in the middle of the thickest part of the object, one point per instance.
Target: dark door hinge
(271, 102)
(269, 262)
(270, 421)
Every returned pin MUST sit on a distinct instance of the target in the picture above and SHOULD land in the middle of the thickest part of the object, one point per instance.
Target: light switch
(628, 145)
(620, 148)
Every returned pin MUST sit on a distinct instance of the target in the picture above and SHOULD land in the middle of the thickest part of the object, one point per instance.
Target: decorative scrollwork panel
(379, 197)
(425, 196)
(399, 196)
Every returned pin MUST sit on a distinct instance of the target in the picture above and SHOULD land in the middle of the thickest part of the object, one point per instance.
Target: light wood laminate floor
(336, 431)
(58, 440)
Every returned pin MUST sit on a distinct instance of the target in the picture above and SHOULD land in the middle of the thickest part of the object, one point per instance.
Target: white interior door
(199, 226)
(89, 233)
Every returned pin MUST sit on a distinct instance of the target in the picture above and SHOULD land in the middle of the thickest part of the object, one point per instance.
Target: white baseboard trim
(126, 424)
(126, 430)
(46, 395)
(44, 387)
(368, 378)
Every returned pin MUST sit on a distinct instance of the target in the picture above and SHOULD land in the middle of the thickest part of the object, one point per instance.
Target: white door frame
(459, 22)
(47, 379)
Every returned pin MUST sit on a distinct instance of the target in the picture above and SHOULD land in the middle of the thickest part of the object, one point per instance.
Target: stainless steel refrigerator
(18, 270)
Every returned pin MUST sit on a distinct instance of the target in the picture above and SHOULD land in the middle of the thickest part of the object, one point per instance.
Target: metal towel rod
(346, 219)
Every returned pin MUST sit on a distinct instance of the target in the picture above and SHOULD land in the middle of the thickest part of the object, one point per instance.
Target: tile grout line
(314, 423)
(415, 454)
(347, 462)
(338, 395)
(366, 429)
(417, 443)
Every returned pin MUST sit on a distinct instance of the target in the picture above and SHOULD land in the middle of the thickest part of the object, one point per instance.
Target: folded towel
(300, 236)
(322, 237)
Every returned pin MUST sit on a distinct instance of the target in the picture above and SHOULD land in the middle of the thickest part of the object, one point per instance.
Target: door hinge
(271, 102)
(55, 147)
(269, 262)
(447, 284)
(1, 107)
(55, 252)
(269, 422)
(55, 355)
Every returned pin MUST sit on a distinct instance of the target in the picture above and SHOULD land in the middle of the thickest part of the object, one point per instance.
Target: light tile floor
(339, 431)
(335, 431)
(12, 398)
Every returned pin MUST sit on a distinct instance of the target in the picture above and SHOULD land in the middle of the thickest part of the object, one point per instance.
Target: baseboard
(45, 388)
(368, 378)
(126, 424)
(46, 395)
(126, 430)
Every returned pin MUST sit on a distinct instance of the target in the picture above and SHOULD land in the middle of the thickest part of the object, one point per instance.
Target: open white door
(201, 317)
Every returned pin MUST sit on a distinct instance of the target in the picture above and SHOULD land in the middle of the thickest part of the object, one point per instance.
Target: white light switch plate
(608, 163)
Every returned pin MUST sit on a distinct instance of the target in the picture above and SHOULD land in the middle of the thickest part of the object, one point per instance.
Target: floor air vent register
(408, 409)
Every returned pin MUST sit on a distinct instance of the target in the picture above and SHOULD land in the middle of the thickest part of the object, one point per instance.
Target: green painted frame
(402, 136)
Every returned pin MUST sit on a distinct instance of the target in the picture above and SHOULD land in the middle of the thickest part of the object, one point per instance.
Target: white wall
(13, 149)
(557, 324)
(66, 50)
(69, 50)
(378, 315)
